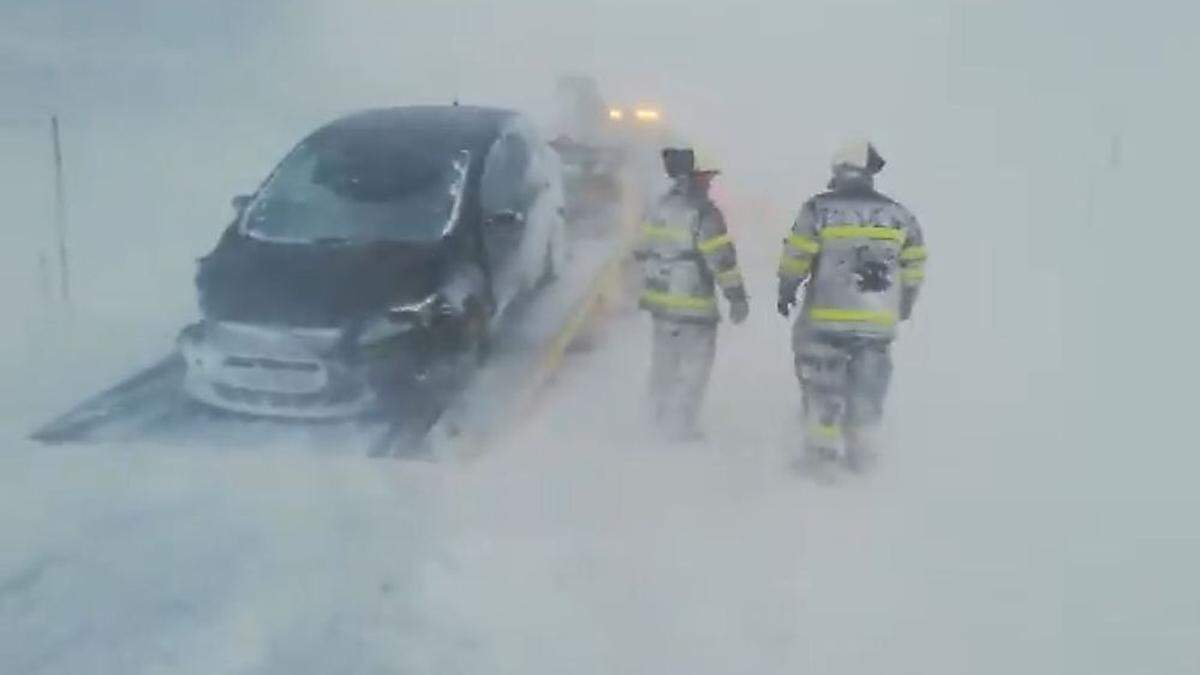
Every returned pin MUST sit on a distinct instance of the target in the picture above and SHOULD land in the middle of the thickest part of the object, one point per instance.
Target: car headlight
(423, 312)
(647, 115)
(404, 317)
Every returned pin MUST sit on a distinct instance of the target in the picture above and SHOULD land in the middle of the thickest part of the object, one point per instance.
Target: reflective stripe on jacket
(686, 253)
(857, 250)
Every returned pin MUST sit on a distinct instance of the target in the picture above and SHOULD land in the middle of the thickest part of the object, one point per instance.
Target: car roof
(448, 126)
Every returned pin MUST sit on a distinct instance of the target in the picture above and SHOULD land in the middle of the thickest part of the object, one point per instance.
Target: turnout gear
(686, 254)
(680, 364)
(844, 379)
(861, 254)
(739, 309)
(861, 257)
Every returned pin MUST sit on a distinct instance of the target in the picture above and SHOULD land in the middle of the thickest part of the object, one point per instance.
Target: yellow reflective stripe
(829, 432)
(914, 253)
(673, 301)
(802, 243)
(852, 316)
(730, 277)
(660, 232)
(710, 245)
(912, 275)
(796, 267)
(862, 232)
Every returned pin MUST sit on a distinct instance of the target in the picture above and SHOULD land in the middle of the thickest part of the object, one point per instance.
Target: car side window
(504, 185)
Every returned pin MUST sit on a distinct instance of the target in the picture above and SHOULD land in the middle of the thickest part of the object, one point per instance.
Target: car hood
(313, 285)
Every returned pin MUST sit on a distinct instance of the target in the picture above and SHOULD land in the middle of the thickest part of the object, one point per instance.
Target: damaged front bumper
(274, 371)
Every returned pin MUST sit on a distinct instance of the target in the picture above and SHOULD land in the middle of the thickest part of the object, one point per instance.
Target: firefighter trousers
(680, 365)
(844, 380)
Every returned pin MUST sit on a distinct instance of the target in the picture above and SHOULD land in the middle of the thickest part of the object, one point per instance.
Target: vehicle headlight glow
(402, 318)
(616, 114)
(647, 115)
(422, 311)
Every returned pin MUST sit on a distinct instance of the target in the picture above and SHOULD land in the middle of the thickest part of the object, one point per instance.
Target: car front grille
(328, 396)
(271, 364)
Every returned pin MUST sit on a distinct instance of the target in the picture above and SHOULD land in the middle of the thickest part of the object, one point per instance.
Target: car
(379, 256)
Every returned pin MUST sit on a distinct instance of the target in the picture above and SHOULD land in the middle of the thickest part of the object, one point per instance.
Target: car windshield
(358, 186)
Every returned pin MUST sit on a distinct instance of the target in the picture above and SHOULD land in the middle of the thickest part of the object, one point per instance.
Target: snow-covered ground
(1002, 533)
(1035, 508)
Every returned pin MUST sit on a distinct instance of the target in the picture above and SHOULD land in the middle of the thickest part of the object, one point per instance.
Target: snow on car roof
(448, 126)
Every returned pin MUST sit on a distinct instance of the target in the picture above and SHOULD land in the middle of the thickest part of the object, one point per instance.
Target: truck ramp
(525, 351)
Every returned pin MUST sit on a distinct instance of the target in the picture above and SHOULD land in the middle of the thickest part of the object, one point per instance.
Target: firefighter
(686, 254)
(861, 259)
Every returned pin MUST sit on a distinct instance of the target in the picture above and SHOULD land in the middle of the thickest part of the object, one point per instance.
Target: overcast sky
(766, 84)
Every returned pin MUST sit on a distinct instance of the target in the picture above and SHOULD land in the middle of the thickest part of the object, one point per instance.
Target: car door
(546, 228)
(505, 200)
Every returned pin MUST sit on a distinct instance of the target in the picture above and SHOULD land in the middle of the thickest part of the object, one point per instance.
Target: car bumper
(273, 372)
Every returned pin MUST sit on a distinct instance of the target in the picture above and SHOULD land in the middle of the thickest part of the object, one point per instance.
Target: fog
(1034, 509)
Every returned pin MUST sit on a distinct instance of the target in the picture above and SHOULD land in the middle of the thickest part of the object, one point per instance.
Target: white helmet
(705, 163)
(858, 155)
